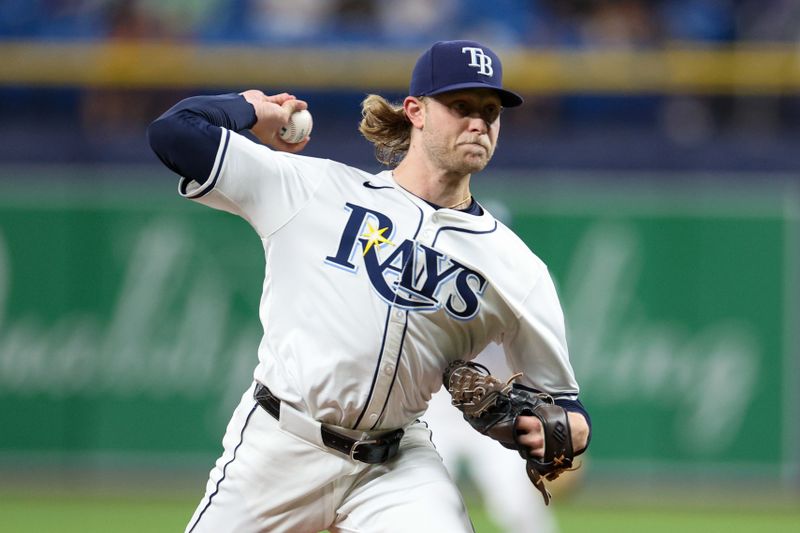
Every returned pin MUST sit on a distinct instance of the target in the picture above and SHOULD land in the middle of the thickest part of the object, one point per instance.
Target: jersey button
(388, 370)
(427, 234)
(373, 417)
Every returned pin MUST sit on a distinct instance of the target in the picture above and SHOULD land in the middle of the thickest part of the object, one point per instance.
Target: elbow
(158, 136)
(164, 140)
(187, 147)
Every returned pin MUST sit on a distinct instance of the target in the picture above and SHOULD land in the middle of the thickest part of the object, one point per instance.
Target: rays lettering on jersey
(410, 275)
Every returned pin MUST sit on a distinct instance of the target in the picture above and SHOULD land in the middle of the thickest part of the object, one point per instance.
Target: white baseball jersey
(370, 292)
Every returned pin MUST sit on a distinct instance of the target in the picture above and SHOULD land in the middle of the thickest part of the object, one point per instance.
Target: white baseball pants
(271, 479)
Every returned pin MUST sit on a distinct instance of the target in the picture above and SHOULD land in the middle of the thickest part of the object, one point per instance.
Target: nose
(477, 124)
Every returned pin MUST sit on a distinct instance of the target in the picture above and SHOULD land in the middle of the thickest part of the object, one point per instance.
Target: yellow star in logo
(375, 238)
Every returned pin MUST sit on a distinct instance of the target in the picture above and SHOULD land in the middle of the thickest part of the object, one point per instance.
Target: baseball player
(374, 284)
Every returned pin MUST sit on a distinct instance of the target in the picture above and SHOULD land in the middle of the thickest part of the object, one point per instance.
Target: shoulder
(515, 253)
(509, 264)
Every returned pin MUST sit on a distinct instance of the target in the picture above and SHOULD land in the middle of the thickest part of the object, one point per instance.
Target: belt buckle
(358, 443)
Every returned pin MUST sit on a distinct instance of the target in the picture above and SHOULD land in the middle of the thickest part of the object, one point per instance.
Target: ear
(415, 111)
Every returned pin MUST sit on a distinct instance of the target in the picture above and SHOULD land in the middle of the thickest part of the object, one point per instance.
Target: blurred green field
(89, 512)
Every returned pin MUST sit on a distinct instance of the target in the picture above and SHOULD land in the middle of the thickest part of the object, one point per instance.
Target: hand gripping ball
(298, 128)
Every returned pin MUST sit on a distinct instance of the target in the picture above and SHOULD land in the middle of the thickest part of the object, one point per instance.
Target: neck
(437, 187)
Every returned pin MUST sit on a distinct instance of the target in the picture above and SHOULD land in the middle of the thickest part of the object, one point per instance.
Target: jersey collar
(477, 218)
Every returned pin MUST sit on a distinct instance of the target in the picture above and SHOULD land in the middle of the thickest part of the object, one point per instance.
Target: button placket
(394, 335)
(386, 370)
(429, 229)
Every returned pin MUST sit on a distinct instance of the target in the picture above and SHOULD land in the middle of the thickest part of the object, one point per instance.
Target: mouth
(475, 143)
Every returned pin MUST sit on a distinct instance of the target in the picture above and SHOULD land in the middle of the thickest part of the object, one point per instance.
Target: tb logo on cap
(480, 60)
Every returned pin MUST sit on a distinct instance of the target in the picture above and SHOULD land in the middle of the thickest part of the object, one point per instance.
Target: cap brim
(507, 98)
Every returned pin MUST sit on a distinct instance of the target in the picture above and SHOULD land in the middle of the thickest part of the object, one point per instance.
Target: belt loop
(293, 421)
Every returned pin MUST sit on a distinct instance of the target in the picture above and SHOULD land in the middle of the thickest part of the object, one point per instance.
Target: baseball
(298, 128)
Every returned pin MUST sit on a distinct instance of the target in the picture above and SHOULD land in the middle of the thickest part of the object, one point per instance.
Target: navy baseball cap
(453, 65)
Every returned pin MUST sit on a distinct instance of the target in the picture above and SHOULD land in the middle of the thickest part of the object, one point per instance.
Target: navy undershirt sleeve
(186, 137)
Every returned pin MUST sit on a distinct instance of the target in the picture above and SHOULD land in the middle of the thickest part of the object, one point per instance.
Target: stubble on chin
(475, 159)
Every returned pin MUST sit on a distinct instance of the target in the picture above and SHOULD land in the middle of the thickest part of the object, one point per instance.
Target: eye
(460, 107)
(491, 113)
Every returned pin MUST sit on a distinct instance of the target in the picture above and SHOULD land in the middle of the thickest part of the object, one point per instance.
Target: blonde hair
(386, 126)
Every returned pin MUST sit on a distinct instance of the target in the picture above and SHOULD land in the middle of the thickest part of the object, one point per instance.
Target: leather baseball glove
(492, 408)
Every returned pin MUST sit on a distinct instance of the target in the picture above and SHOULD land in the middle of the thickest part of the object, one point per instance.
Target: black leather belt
(372, 451)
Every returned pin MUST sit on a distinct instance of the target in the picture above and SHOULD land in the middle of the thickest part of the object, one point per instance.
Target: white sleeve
(537, 346)
(265, 187)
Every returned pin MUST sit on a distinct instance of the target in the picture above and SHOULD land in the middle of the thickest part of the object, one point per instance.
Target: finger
(529, 424)
(294, 105)
(280, 98)
(531, 438)
(534, 442)
(530, 433)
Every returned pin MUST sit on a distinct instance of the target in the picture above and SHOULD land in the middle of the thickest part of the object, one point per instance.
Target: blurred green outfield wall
(681, 308)
(128, 320)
